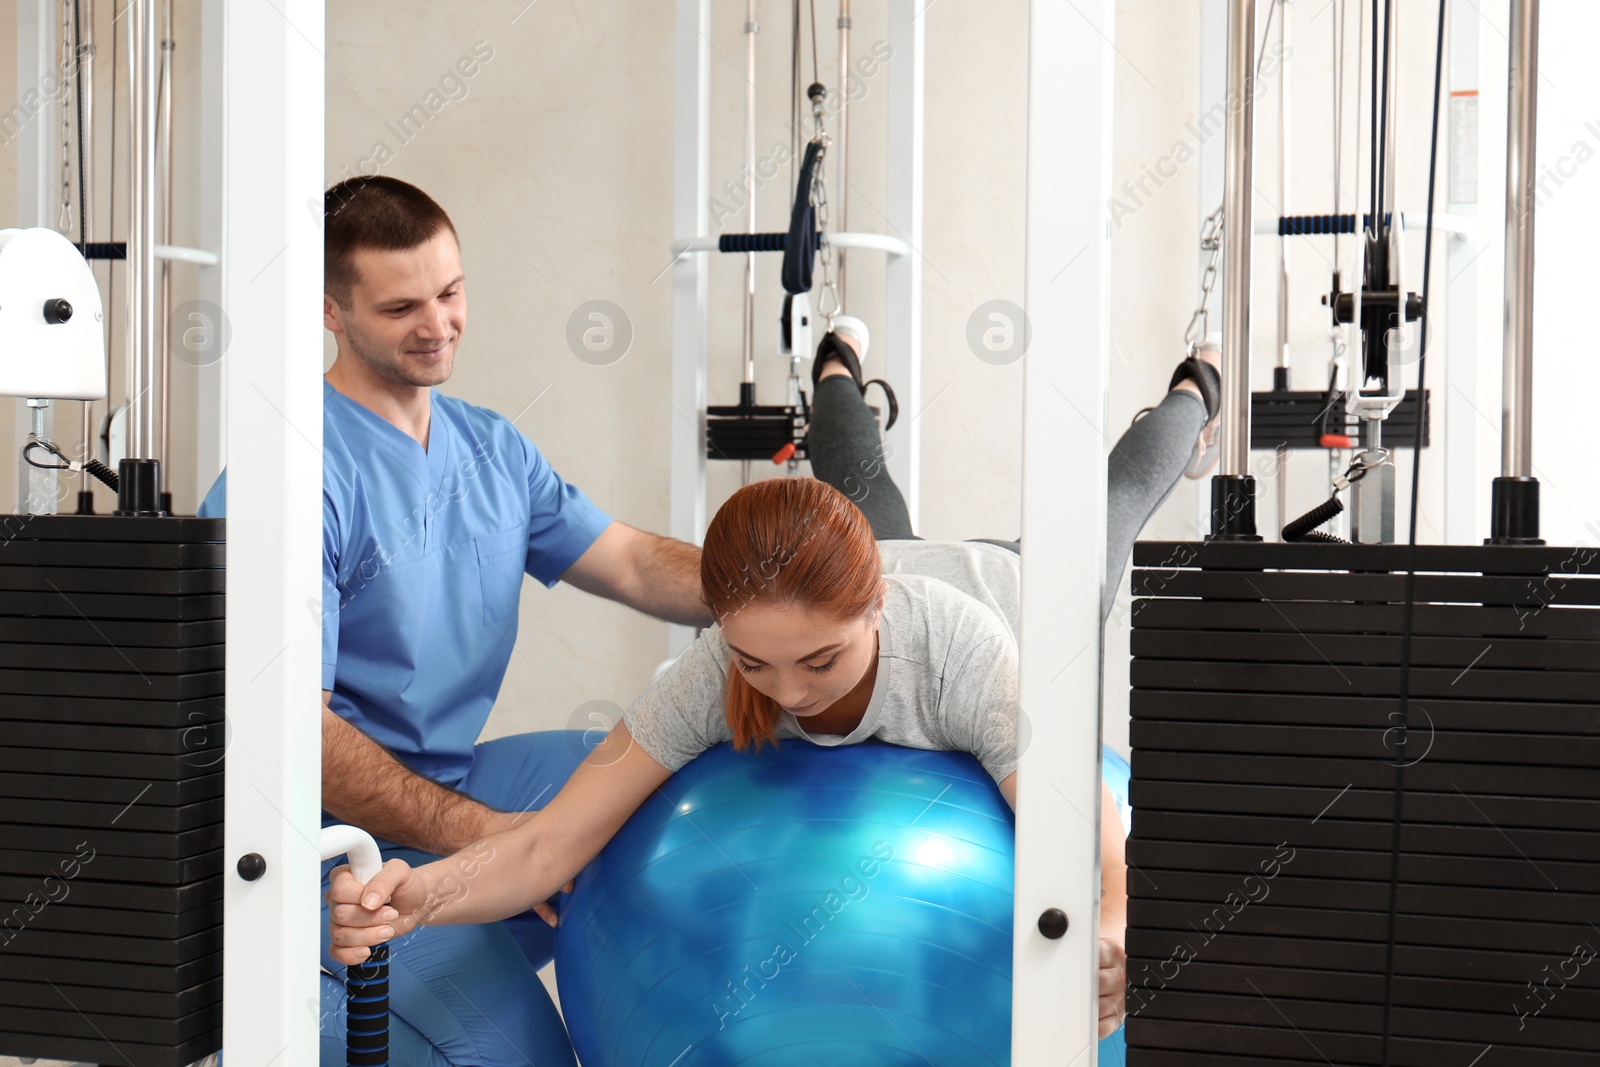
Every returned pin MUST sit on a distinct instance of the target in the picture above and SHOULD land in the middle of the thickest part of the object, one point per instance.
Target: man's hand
(1113, 986)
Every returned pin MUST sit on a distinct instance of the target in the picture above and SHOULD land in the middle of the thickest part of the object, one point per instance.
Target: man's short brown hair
(372, 212)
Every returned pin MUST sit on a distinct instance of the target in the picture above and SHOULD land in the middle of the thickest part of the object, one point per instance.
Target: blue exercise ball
(849, 906)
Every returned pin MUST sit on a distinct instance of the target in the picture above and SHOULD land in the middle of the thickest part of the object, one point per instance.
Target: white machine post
(691, 189)
(271, 288)
(1063, 507)
(903, 273)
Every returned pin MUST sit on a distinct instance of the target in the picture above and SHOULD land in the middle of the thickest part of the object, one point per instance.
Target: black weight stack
(112, 737)
(1318, 877)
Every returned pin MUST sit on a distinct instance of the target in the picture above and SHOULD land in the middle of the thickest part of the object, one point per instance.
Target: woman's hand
(390, 905)
(548, 913)
(1113, 986)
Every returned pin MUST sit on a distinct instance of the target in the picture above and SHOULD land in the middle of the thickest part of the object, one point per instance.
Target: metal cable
(1409, 611)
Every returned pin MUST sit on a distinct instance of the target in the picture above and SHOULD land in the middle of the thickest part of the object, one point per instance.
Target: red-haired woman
(813, 641)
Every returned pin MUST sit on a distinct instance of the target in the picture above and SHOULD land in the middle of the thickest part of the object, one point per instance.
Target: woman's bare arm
(1113, 870)
(509, 872)
(1113, 973)
(555, 843)
(1113, 864)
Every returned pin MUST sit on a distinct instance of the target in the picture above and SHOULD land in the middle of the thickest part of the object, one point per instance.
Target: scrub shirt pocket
(502, 558)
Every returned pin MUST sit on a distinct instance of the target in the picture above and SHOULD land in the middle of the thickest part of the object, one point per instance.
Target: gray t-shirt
(947, 680)
(989, 573)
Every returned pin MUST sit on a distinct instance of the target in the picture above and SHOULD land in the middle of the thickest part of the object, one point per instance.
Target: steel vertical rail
(842, 144)
(1336, 462)
(1281, 376)
(164, 151)
(85, 82)
(85, 31)
(1283, 182)
(748, 393)
(751, 28)
(1383, 214)
(1238, 219)
(141, 340)
(1516, 460)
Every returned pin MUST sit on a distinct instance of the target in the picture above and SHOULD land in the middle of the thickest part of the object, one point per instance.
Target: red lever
(784, 454)
(1336, 440)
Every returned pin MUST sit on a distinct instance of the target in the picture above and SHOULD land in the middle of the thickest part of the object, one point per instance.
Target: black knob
(253, 866)
(57, 311)
(1053, 923)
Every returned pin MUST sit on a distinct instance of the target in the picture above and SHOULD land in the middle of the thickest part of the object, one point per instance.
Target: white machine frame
(270, 288)
(1071, 60)
(267, 63)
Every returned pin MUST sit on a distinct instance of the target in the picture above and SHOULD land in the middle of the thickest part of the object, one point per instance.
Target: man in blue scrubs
(433, 510)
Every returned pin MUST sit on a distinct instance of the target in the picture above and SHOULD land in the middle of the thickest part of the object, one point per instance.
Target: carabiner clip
(51, 447)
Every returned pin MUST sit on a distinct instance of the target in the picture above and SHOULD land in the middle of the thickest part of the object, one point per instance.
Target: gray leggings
(1149, 458)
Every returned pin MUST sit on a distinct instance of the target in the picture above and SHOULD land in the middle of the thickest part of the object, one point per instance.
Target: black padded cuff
(832, 346)
(1206, 378)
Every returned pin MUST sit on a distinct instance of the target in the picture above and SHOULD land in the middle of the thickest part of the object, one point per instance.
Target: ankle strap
(832, 347)
(1206, 378)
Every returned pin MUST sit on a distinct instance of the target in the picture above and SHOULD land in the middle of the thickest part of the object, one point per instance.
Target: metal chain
(828, 302)
(1210, 241)
(64, 221)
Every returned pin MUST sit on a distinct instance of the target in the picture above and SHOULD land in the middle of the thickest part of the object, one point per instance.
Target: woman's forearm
(507, 873)
(491, 879)
(1114, 917)
(1113, 871)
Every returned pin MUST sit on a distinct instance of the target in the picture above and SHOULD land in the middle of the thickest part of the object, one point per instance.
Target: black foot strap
(1206, 379)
